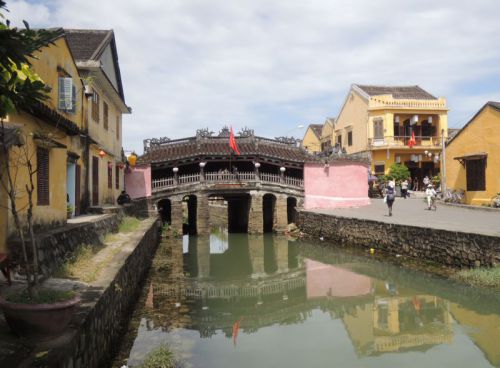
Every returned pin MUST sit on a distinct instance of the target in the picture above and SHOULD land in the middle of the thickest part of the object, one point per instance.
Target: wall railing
(403, 140)
(226, 177)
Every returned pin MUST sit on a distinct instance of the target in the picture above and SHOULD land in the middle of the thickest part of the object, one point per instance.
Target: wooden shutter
(78, 174)
(117, 177)
(95, 106)
(95, 180)
(117, 127)
(110, 175)
(42, 176)
(105, 114)
(476, 174)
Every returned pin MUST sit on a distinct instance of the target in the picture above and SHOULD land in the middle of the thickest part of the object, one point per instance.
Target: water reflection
(251, 290)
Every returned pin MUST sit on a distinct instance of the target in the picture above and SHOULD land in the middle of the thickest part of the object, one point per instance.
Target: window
(95, 106)
(349, 138)
(476, 174)
(396, 130)
(66, 99)
(426, 129)
(117, 177)
(379, 169)
(339, 140)
(117, 127)
(105, 115)
(378, 129)
(110, 175)
(42, 176)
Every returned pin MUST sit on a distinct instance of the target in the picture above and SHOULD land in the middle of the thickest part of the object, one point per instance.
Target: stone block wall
(54, 246)
(218, 215)
(99, 329)
(445, 247)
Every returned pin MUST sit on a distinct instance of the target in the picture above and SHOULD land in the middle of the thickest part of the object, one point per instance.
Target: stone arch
(269, 212)
(165, 210)
(189, 214)
(291, 212)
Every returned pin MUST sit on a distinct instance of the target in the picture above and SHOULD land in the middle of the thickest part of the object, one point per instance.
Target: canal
(237, 300)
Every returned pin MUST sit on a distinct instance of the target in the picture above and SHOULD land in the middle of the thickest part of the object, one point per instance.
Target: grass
(161, 357)
(45, 296)
(489, 277)
(129, 224)
(81, 265)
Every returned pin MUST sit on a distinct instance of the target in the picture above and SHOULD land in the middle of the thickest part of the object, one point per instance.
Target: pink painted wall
(341, 184)
(138, 182)
(327, 280)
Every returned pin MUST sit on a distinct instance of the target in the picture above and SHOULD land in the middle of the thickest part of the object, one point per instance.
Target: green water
(262, 301)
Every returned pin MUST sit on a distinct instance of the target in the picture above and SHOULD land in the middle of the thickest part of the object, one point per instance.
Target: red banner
(232, 143)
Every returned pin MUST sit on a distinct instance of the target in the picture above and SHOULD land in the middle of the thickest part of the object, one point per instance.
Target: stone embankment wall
(54, 246)
(446, 247)
(106, 308)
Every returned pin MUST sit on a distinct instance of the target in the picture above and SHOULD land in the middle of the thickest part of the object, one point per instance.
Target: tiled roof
(216, 146)
(316, 128)
(84, 43)
(398, 92)
(494, 104)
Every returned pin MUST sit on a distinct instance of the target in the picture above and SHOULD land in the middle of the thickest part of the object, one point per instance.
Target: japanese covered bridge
(199, 182)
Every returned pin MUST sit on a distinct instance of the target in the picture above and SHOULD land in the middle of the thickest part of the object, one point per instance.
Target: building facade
(472, 156)
(96, 57)
(380, 121)
(312, 138)
(47, 138)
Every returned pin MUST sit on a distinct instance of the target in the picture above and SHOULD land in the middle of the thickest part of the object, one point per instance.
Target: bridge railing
(226, 177)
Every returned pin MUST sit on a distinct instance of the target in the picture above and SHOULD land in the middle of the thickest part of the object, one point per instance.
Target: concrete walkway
(413, 212)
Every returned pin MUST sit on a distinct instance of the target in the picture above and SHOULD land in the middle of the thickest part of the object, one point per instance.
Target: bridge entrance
(268, 212)
(237, 213)
(165, 211)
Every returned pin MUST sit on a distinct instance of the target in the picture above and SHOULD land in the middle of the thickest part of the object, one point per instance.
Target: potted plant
(31, 311)
(69, 211)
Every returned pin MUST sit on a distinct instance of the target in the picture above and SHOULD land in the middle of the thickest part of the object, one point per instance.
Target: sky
(274, 65)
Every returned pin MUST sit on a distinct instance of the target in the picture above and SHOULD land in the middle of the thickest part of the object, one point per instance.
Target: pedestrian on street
(430, 193)
(390, 196)
(426, 181)
(404, 188)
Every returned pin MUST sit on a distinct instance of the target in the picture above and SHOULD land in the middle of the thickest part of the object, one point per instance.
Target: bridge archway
(165, 210)
(189, 214)
(238, 212)
(268, 212)
(291, 213)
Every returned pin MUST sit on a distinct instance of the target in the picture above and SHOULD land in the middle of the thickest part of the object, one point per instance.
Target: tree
(399, 172)
(20, 89)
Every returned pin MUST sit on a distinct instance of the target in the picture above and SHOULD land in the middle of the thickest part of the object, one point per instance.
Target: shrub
(399, 172)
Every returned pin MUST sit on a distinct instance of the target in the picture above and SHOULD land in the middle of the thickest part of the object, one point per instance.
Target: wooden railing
(403, 140)
(226, 177)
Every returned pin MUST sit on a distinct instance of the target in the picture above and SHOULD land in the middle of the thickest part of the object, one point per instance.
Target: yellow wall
(106, 195)
(354, 115)
(480, 135)
(46, 66)
(311, 141)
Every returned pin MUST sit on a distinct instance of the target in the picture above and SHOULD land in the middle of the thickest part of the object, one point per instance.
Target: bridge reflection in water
(238, 285)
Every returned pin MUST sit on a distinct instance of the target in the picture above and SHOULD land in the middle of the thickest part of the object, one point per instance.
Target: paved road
(413, 212)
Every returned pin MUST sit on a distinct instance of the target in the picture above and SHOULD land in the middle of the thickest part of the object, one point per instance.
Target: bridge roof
(176, 150)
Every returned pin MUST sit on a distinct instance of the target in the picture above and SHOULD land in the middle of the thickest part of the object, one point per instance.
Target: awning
(471, 156)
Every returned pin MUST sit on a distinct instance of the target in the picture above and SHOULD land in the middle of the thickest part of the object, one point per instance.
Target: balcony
(401, 141)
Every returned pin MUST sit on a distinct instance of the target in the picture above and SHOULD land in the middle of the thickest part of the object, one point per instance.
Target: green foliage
(43, 296)
(399, 172)
(20, 87)
(160, 357)
(489, 277)
(129, 224)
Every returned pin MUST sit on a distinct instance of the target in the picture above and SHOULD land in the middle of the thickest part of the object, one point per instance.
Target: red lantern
(102, 153)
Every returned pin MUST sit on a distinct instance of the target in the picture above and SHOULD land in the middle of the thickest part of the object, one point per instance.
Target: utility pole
(443, 164)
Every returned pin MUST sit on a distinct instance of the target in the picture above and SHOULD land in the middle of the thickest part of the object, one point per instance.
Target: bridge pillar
(256, 250)
(281, 214)
(255, 218)
(281, 251)
(202, 215)
(176, 215)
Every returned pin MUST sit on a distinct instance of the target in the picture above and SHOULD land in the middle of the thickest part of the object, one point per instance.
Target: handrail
(403, 140)
(226, 177)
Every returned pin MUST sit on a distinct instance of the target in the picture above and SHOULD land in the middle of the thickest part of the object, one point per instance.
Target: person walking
(430, 193)
(426, 181)
(390, 196)
(404, 188)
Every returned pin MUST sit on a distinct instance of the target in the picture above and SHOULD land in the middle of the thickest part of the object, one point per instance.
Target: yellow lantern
(132, 159)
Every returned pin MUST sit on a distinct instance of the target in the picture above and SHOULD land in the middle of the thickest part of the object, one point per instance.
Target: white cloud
(271, 65)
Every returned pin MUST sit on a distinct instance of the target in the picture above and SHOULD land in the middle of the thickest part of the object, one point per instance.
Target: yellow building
(379, 121)
(472, 157)
(97, 61)
(326, 135)
(49, 135)
(312, 138)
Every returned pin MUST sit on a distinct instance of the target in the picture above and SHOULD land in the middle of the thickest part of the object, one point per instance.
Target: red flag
(412, 142)
(232, 142)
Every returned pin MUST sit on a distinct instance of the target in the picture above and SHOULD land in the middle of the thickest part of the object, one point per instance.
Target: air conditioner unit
(87, 91)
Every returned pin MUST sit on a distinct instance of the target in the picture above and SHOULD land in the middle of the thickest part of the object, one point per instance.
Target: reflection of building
(262, 281)
(483, 329)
